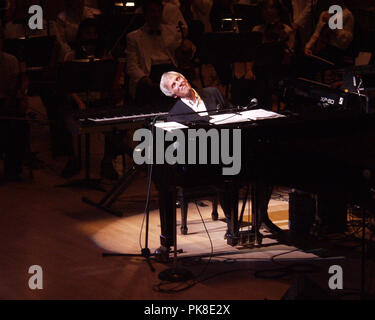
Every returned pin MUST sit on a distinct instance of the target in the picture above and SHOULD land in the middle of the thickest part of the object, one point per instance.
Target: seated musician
(331, 44)
(271, 60)
(200, 101)
(68, 21)
(14, 133)
(150, 52)
(88, 45)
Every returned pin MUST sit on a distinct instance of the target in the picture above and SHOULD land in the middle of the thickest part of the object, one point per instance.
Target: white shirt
(302, 10)
(159, 53)
(302, 16)
(172, 15)
(197, 106)
(201, 10)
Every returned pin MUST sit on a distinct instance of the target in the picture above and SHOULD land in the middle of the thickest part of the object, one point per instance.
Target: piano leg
(167, 207)
(229, 204)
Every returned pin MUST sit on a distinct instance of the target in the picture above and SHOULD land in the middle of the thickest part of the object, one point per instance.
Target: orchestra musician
(150, 52)
(68, 21)
(332, 44)
(88, 46)
(272, 59)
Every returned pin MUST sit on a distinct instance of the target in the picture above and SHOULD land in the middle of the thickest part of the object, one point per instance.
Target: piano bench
(188, 194)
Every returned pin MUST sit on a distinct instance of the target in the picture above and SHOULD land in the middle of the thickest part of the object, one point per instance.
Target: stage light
(128, 4)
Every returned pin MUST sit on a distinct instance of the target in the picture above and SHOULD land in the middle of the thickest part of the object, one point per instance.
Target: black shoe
(108, 171)
(232, 240)
(72, 168)
(227, 235)
(162, 254)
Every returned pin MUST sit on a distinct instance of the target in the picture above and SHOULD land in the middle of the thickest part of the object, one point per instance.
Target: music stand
(222, 49)
(250, 14)
(85, 76)
(308, 65)
(228, 46)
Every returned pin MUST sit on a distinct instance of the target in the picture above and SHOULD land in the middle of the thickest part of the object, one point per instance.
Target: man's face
(179, 86)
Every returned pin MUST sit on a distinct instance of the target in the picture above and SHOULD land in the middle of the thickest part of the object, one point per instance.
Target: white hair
(164, 79)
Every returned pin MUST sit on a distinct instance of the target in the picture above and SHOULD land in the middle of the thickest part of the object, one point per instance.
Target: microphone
(253, 103)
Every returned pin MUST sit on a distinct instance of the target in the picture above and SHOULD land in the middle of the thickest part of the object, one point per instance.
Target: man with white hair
(194, 104)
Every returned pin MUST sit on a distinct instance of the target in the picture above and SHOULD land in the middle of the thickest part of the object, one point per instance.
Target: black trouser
(228, 198)
(167, 207)
(263, 195)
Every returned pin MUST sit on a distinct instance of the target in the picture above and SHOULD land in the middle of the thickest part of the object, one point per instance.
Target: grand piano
(326, 151)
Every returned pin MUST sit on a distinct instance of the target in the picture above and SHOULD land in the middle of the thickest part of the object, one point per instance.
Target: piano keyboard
(107, 119)
(125, 118)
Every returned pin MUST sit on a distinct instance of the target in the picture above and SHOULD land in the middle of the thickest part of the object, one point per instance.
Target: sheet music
(227, 118)
(259, 114)
(170, 126)
(244, 116)
(363, 59)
